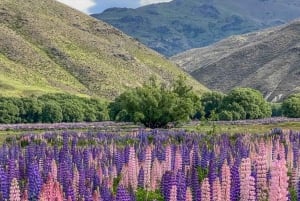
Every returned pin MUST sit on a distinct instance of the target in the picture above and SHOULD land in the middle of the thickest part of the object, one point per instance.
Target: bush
(291, 106)
(249, 103)
(225, 116)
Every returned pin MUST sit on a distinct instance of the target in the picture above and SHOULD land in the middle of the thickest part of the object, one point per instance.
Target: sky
(97, 6)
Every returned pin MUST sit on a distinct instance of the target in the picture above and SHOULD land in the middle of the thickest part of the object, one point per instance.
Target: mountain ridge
(177, 26)
(268, 60)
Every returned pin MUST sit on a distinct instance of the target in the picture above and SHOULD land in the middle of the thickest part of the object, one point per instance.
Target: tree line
(52, 108)
(154, 104)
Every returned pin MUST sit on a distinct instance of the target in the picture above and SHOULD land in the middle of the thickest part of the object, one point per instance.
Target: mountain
(47, 47)
(268, 61)
(174, 27)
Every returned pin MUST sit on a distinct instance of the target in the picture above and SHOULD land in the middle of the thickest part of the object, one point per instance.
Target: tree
(249, 103)
(9, 113)
(211, 101)
(51, 112)
(32, 110)
(72, 112)
(225, 116)
(291, 106)
(155, 105)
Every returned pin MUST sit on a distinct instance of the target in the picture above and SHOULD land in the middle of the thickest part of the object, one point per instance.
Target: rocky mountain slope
(268, 61)
(174, 27)
(46, 46)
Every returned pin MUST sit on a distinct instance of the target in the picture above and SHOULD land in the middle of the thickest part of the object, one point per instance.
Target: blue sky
(97, 6)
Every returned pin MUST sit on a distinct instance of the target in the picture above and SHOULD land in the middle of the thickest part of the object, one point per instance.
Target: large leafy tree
(155, 105)
(246, 103)
(291, 106)
(212, 102)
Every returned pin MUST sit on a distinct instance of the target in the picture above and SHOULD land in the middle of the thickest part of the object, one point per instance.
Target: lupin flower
(14, 191)
(132, 168)
(261, 175)
(279, 181)
(225, 182)
(189, 196)
(205, 190)
(122, 194)
(245, 172)
(173, 193)
(51, 190)
(216, 189)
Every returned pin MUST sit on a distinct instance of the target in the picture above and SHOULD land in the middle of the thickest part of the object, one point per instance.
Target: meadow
(169, 164)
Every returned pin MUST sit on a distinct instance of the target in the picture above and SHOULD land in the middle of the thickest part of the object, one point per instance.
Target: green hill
(48, 47)
(179, 25)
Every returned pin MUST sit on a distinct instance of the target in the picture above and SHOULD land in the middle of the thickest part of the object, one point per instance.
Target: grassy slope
(48, 47)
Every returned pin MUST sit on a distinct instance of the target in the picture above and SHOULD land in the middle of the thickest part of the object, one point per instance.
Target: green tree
(51, 112)
(155, 105)
(211, 101)
(276, 109)
(225, 116)
(291, 106)
(9, 113)
(249, 103)
(72, 112)
(32, 110)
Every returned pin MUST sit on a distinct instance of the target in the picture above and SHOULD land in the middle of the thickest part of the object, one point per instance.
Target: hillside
(46, 46)
(174, 27)
(268, 61)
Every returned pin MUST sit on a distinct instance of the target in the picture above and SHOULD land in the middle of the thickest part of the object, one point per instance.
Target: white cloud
(82, 5)
(146, 2)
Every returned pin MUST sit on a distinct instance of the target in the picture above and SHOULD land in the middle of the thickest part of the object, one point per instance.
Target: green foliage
(51, 112)
(277, 109)
(293, 194)
(155, 105)
(52, 108)
(249, 103)
(291, 106)
(225, 116)
(144, 195)
(116, 182)
(32, 110)
(9, 112)
(202, 173)
(211, 101)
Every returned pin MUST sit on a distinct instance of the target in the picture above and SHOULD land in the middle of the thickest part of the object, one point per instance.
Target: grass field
(211, 128)
(208, 128)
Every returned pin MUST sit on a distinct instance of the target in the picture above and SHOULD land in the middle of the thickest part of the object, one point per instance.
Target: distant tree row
(52, 108)
(154, 105)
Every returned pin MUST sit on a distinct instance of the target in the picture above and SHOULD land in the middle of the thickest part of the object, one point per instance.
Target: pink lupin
(132, 168)
(189, 195)
(205, 190)
(245, 172)
(279, 181)
(14, 191)
(226, 182)
(216, 188)
(261, 172)
(147, 168)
